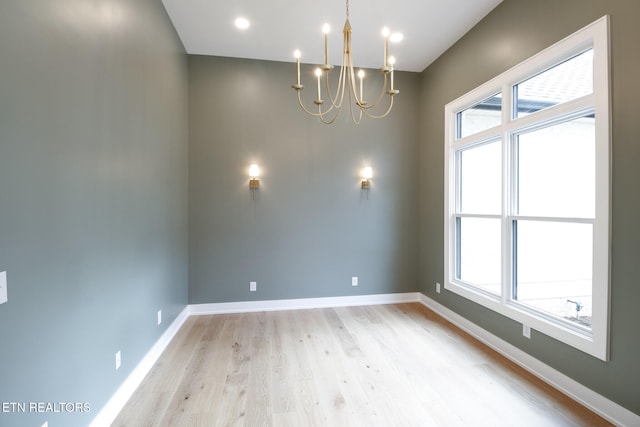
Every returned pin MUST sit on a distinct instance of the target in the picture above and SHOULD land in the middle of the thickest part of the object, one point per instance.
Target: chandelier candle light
(347, 81)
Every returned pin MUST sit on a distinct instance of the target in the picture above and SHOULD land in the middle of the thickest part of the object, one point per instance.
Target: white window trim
(595, 35)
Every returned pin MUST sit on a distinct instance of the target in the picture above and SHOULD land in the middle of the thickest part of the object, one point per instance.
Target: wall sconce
(254, 182)
(367, 174)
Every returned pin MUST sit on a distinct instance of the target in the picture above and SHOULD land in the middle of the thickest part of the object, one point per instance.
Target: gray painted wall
(93, 189)
(515, 30)
(310, 227)
(93, 196)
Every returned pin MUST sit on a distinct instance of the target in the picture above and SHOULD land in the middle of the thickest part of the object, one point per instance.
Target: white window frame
(596, 36)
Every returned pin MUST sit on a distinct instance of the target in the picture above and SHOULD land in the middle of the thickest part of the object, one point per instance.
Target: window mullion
(507, 189)
(562, 112)
(457, 203)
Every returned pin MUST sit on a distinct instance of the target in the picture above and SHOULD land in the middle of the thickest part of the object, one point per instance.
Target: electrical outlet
(437, 287)
(354, 281)
(253, 286)
(118, 360)
(3, 287)
(526, 331)
(159, 317)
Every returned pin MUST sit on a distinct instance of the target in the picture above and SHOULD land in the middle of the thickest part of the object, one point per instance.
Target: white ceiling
(278, 27)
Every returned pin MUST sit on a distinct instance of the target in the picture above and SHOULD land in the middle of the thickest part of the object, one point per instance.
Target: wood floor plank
(387, 365)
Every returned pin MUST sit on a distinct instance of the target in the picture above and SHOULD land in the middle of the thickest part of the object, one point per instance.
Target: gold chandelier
(347, 82)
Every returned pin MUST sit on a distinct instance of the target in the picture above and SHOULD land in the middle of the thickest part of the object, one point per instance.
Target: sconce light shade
(367, 174)
(254, 182)
(254, 171)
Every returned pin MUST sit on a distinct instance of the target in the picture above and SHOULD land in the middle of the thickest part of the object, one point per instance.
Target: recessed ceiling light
(242, 23)
(396, 37)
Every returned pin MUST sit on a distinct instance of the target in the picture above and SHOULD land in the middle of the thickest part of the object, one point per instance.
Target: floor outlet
(118, 360)
(526, 331)
(253, 286)
(159, 316)
(354, 281)
(437, 287)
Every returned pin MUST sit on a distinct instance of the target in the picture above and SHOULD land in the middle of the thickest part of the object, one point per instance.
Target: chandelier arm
(380, 116)
(322, 115)
(311, 113)
(341, 78)
(334, 101)
(352, 88)
(362, 106)
(328, 122)
(353, 118)
(352, 94)
(351, 75)
(329, 94)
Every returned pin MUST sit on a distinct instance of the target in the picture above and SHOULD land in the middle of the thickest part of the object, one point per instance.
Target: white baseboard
(599, 404)
(301, 304)
(110, 411)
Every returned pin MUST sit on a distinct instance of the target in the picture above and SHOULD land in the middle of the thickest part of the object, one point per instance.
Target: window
(527, 192)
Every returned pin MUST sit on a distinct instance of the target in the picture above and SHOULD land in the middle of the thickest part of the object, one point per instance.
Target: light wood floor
(387, 365)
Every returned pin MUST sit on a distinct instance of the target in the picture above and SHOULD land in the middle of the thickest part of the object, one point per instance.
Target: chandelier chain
(347, 9)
